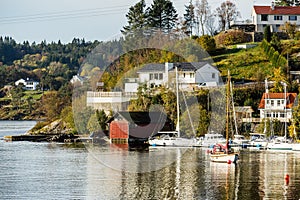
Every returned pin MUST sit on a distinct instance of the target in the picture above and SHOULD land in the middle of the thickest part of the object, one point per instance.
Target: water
(61, 171)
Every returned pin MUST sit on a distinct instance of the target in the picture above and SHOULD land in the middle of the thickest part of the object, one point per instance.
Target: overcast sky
(36, 20)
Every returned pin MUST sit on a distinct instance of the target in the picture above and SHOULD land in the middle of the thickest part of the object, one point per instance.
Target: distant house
(274, 106)
(77, 79)
(137, 126)
(243, 113)
(28, 84)
(274, 16)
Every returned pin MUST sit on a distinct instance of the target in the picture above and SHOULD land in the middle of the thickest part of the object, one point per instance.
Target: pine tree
(189, 19)
(136, 18)
(162, 15)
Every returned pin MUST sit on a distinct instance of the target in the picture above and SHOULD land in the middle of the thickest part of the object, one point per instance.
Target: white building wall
(205, 74)
(260, 25)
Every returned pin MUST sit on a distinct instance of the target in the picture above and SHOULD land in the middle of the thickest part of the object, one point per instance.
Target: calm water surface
(60, 171)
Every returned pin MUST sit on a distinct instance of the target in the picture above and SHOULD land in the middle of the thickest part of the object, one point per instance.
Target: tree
(189, 19)
(287, 2)
(210, 25)
(275, 43)
(227, 12)
(290, 29)
(202, 14)
(136, 17)
(162, 15)
(267, 33)
(102, 118)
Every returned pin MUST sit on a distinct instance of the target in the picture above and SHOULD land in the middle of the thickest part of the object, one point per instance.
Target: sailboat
(259, 140)
(223, 153)
(173, 138)
(281, 143)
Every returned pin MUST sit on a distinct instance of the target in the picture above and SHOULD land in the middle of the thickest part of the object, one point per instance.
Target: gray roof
(184, 66)
(192, 66)
(243, 109)
(152, 67)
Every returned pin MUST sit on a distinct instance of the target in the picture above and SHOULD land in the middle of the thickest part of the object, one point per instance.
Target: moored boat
(223, 153)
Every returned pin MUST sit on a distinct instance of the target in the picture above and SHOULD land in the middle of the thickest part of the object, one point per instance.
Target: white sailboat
(259, 140)
(173, 138)
(223, 153)
(280, 143)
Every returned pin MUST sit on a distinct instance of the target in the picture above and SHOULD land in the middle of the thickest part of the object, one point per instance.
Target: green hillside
(250, 64)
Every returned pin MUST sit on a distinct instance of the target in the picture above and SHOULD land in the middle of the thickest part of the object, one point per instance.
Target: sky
(53, 20)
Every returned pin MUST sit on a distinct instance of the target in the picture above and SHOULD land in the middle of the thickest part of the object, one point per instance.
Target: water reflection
(259, 175)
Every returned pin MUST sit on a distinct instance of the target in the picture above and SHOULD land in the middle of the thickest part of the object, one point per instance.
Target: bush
(207, 42)
(297, 35)
(232, 37)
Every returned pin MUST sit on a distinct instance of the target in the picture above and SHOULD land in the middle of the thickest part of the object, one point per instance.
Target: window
(213, 75)
(272, 102)
(277, 17)
(192, 75)
(264, 17)
(282, 102)
(278, 102)
(268, 102)
(160, 76)
(282, 115)
(183, 75)
(156, 76)
(293, 18)
(151, 76)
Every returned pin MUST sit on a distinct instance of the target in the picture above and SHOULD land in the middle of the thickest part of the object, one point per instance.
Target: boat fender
(228, 162)
(287, 179)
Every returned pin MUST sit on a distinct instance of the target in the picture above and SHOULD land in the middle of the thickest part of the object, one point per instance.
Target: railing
(111, 94)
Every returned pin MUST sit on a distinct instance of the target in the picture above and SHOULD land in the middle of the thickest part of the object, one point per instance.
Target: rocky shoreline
(56, 131)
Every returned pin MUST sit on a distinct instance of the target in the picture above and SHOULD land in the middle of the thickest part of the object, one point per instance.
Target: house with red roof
(274, 16)
(277, 106)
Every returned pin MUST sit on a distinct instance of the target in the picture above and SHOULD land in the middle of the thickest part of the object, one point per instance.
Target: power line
(64, 15)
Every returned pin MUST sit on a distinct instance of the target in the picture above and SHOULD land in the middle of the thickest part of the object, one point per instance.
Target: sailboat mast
(227, 106)
(177, 102)
(285, 117)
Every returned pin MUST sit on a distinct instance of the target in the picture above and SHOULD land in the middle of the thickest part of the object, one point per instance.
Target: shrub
(232, 37)
(207, 42)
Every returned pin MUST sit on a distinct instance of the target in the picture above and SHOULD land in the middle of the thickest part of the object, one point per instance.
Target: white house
(274, 106)
(274, 16)
(28, 84)
(189, 74)
(154, 75)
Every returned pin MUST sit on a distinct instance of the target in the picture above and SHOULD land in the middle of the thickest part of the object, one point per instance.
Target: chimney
(273, 5)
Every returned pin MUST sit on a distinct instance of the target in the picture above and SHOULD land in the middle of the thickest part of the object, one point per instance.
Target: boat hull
(224, 158)
(280, 146)
(175, 142)
(296, 147)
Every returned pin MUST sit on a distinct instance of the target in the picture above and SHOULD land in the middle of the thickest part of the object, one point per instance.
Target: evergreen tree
(136, 18)
(162, 15)
(267, 33)
(102, 118)
(189, 19)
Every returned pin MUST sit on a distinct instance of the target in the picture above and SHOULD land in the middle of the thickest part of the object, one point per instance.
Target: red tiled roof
(278, 10)
(291, 97)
